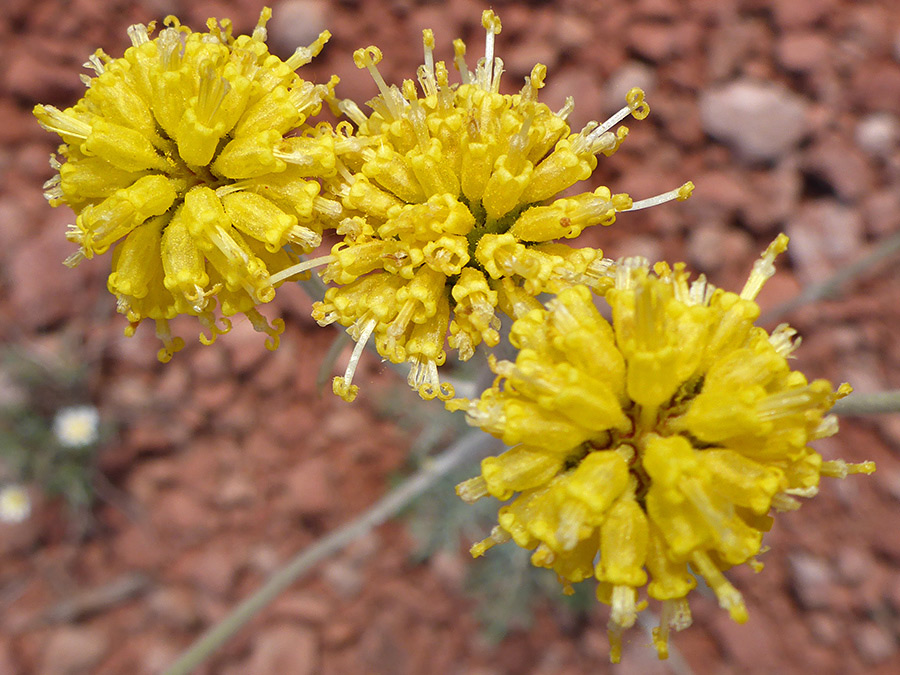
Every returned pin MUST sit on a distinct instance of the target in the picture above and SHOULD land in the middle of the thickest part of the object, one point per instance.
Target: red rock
(876, 85)
(73, 650)
(41, 287)
(843, 166)
(825, 627)
(285, 648)
(803, 51)
(873, 643)
(338, 633)
(303, 606)
(812, 581)
(824, 236)
(244, 347)
(31, 76)
(801, 12)
(137, 548)
(7, 662)
(236, 491)
(712, 248)
(175, 607)
(213, 568)
(658, 42)
(180, 514)
(310, 487)
(209, 363)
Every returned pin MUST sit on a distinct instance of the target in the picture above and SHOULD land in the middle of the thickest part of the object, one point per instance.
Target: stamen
(472, 490)
(491, 23)
(300, 267)
(73, 260)
(838, 468)
(564, 112)
(138, 34)
(212, 91)
(55, 120)
(259, 33)
(260, 325)
(210, 323)
(303, 55)
(782, 340)
(498, 536)
(343, 386)
(764, 268)
(416, 115)
(94, 63)
(426, 76)
(170, 344)
(678, 194)
(729, 597)
(303, 236)
(459, 60)
(675, 614)
(352, 111)
(367, 58)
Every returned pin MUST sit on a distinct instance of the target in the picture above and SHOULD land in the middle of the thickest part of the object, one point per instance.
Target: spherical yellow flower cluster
(178, 149)
(450, 210)
(654, 446)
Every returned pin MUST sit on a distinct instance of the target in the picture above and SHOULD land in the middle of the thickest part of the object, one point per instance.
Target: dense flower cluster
(644, 452)
(451, 209)
(178, 152)
(655, 443)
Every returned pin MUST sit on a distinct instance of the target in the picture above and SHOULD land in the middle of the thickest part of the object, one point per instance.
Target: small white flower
(15, 505)
(77, 426)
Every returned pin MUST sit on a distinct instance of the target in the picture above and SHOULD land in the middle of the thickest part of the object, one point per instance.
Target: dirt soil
(229, 459)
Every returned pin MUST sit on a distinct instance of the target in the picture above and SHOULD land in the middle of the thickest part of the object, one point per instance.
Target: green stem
(885, 249)
(466, 448)
(869, 404)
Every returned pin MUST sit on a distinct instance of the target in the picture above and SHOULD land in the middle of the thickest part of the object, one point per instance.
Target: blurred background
(128, 528)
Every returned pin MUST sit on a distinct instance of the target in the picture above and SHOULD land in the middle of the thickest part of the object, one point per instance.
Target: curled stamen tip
(427, 392)
(639, 107)
(490, 21)
(344, 389)
(366, 57)
(538, 74)
(685, 191)
(167, 351)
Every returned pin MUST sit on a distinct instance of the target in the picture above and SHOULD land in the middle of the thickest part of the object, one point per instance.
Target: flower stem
(869, 404)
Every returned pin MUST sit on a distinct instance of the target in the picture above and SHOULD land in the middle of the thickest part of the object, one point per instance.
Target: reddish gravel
(785, 115)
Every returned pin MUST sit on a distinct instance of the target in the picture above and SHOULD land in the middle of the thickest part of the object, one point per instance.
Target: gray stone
(760, 120)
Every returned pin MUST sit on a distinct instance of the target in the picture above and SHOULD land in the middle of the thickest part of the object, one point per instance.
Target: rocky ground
(227, 460)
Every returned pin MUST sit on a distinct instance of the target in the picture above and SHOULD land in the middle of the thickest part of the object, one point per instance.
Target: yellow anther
(685, 191)
(366, 57)
(639, 107)
(428, 38)
(490, 21)
(538, 73)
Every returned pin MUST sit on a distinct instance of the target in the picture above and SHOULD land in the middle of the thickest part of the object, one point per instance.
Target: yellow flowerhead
(655, 446)
(451, 206)
(178, 152)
